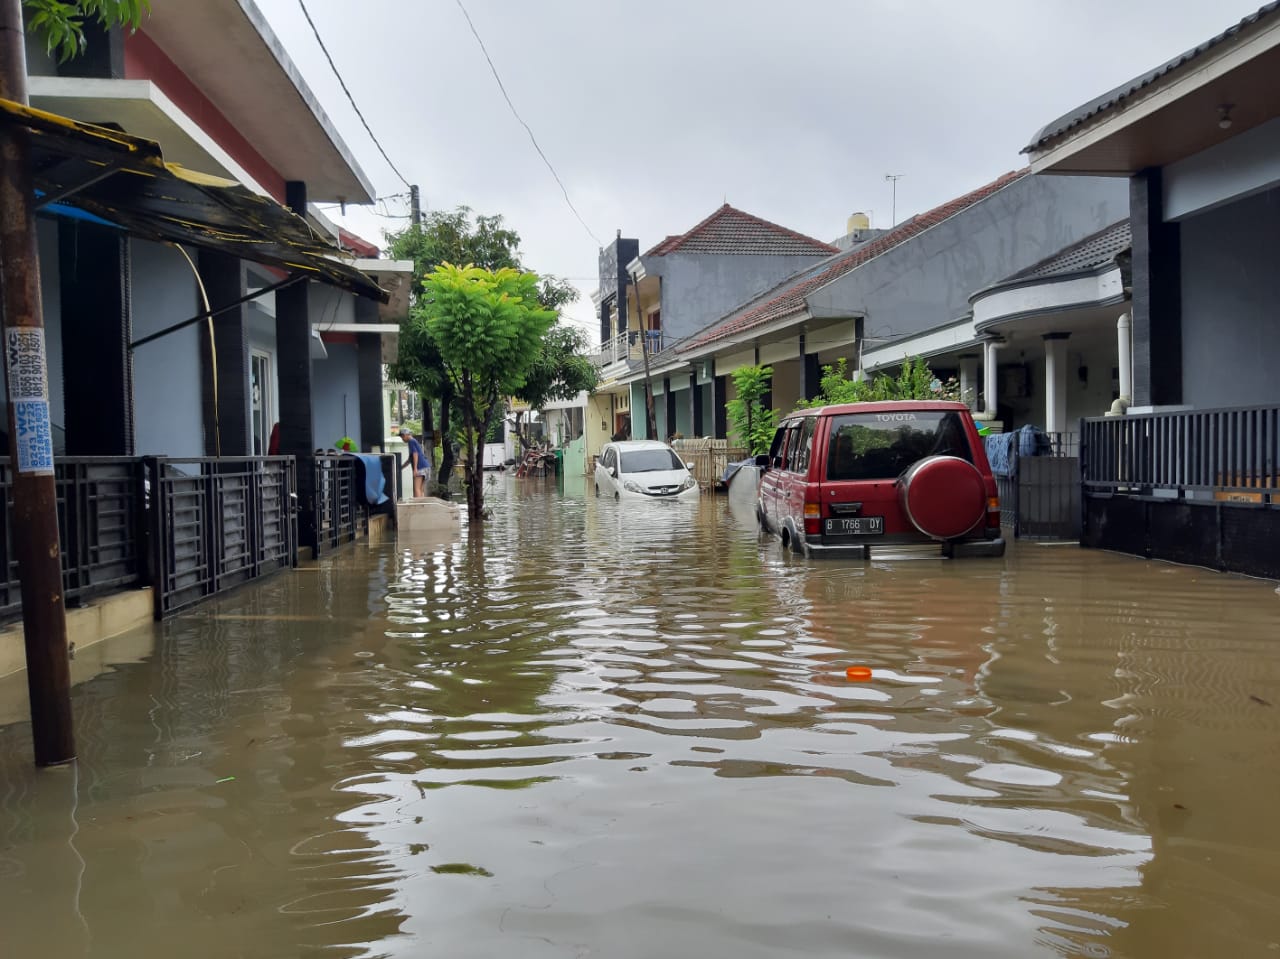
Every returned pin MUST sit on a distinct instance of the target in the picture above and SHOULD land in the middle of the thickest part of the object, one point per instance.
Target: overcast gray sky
(656, 113)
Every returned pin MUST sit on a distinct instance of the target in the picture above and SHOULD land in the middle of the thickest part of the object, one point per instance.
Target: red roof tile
(729, 230)
(788, 297)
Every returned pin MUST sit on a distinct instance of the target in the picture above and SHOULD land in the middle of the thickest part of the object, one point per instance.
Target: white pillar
(1124, 356)
(969, 379)
(990, 362)
(1055, 382)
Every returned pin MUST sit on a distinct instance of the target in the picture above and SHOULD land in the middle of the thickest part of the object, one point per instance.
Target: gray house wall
(166, 372)
(1231, 304)
(927, 281)
(699, 288)
(335, 397)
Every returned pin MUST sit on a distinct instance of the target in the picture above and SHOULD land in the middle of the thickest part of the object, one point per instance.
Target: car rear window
(650, 461)
(882, 445)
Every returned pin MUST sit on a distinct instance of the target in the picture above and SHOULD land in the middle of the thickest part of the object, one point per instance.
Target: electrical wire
(342, 83)
(516, 114)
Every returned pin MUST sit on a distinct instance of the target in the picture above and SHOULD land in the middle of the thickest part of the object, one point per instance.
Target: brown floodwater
(628, 732)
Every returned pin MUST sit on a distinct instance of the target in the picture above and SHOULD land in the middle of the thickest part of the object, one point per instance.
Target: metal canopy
(125, 181)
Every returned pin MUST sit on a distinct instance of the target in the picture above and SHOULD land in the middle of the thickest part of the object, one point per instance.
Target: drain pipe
(1124, 346)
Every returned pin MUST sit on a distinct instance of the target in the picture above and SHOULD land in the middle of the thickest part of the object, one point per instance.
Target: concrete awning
(124, 181)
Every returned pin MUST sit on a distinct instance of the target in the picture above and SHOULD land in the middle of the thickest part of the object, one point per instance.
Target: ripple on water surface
(628, 732)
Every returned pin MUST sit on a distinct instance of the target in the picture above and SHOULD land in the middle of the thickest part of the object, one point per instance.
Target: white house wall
(166, 372)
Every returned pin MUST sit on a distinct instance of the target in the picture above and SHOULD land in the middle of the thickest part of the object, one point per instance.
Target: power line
(342, 83)
(516, 114)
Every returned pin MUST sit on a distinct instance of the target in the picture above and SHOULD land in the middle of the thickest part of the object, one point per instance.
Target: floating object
(858, 674)
(226, 779)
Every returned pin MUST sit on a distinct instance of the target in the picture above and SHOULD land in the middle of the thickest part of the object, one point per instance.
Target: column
(720, 396)
(1055, 382)
(695, 404)
(373, 430)
(1124, 363)
(990, 371)
(669, 400)
(293, 351)
(1157, 295)
(224, 368)
(95, 281)
(969, 379)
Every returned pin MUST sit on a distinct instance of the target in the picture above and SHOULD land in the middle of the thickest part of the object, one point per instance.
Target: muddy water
(630, 734)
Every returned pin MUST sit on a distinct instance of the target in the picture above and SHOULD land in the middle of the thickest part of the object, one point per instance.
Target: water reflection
(625, 730)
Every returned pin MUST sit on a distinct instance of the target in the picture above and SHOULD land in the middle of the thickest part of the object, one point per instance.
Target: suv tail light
(812, 517)
(993, 512)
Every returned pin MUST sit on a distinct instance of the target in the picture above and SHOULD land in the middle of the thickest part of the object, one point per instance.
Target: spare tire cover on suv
(943, 496)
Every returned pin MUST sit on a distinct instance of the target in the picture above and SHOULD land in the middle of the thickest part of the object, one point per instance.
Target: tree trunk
(471, 432)
(446, 436)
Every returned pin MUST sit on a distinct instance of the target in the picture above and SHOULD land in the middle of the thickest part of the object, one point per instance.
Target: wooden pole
(35, 505)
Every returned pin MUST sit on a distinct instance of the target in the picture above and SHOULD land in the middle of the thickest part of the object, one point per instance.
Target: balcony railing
(1224, 450)
(628, 346)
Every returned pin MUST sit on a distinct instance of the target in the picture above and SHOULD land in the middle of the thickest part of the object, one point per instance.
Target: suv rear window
(882, 445)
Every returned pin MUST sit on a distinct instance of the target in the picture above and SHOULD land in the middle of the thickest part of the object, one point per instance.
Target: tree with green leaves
(60, 23)
(453, 236)
(487, 327)
(915, 381)
(752, 422)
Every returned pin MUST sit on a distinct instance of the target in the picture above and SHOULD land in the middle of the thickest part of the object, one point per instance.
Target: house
(178, 409)
(908, 291)
(648, 303)
(1191, 472)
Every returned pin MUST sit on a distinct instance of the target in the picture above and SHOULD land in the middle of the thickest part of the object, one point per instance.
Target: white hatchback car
(643, 469)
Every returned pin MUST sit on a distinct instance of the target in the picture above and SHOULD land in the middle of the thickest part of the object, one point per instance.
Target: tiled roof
(1093, 251)
(1116, 97)
(788, 297)
(729, 230)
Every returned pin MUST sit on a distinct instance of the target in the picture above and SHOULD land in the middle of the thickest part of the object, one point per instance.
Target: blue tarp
(1003, 449)
(375, 483)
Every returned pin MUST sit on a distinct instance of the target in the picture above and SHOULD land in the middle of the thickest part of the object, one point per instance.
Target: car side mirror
(689, 466)
(613, 471)
(762, 461)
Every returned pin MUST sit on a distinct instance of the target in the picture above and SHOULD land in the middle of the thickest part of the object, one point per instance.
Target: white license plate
(855, 526)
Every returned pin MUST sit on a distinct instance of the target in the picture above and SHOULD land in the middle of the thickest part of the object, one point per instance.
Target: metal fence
(709, 458)
(631, 346)
(1224, 450)
(1038, 480)
(216, 523)
(338, 518)
(100, 528)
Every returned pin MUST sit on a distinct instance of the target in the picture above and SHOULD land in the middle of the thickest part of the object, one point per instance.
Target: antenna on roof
(893, 209)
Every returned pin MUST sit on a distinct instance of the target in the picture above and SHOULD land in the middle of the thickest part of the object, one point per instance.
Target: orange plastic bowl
(858, 674)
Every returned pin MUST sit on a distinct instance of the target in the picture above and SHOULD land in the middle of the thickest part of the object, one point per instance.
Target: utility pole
(415, 206)
(35, 505)
(893, 208)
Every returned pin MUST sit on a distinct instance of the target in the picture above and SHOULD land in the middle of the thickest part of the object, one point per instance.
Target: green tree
(753, 424)
(60, 23)
(453, 236)
(488, 327)
(915, 381)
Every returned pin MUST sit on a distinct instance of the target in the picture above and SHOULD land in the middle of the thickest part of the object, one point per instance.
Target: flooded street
(628, 732)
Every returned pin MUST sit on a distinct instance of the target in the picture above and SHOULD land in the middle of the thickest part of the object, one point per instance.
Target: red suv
(842, 479)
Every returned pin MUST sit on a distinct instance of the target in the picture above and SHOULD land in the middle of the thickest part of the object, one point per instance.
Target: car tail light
(812, 518)
(993, 512)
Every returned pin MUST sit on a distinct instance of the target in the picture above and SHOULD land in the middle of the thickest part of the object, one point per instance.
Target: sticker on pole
(29, 396)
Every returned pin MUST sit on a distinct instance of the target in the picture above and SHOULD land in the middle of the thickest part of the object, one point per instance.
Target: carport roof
(124, 182)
